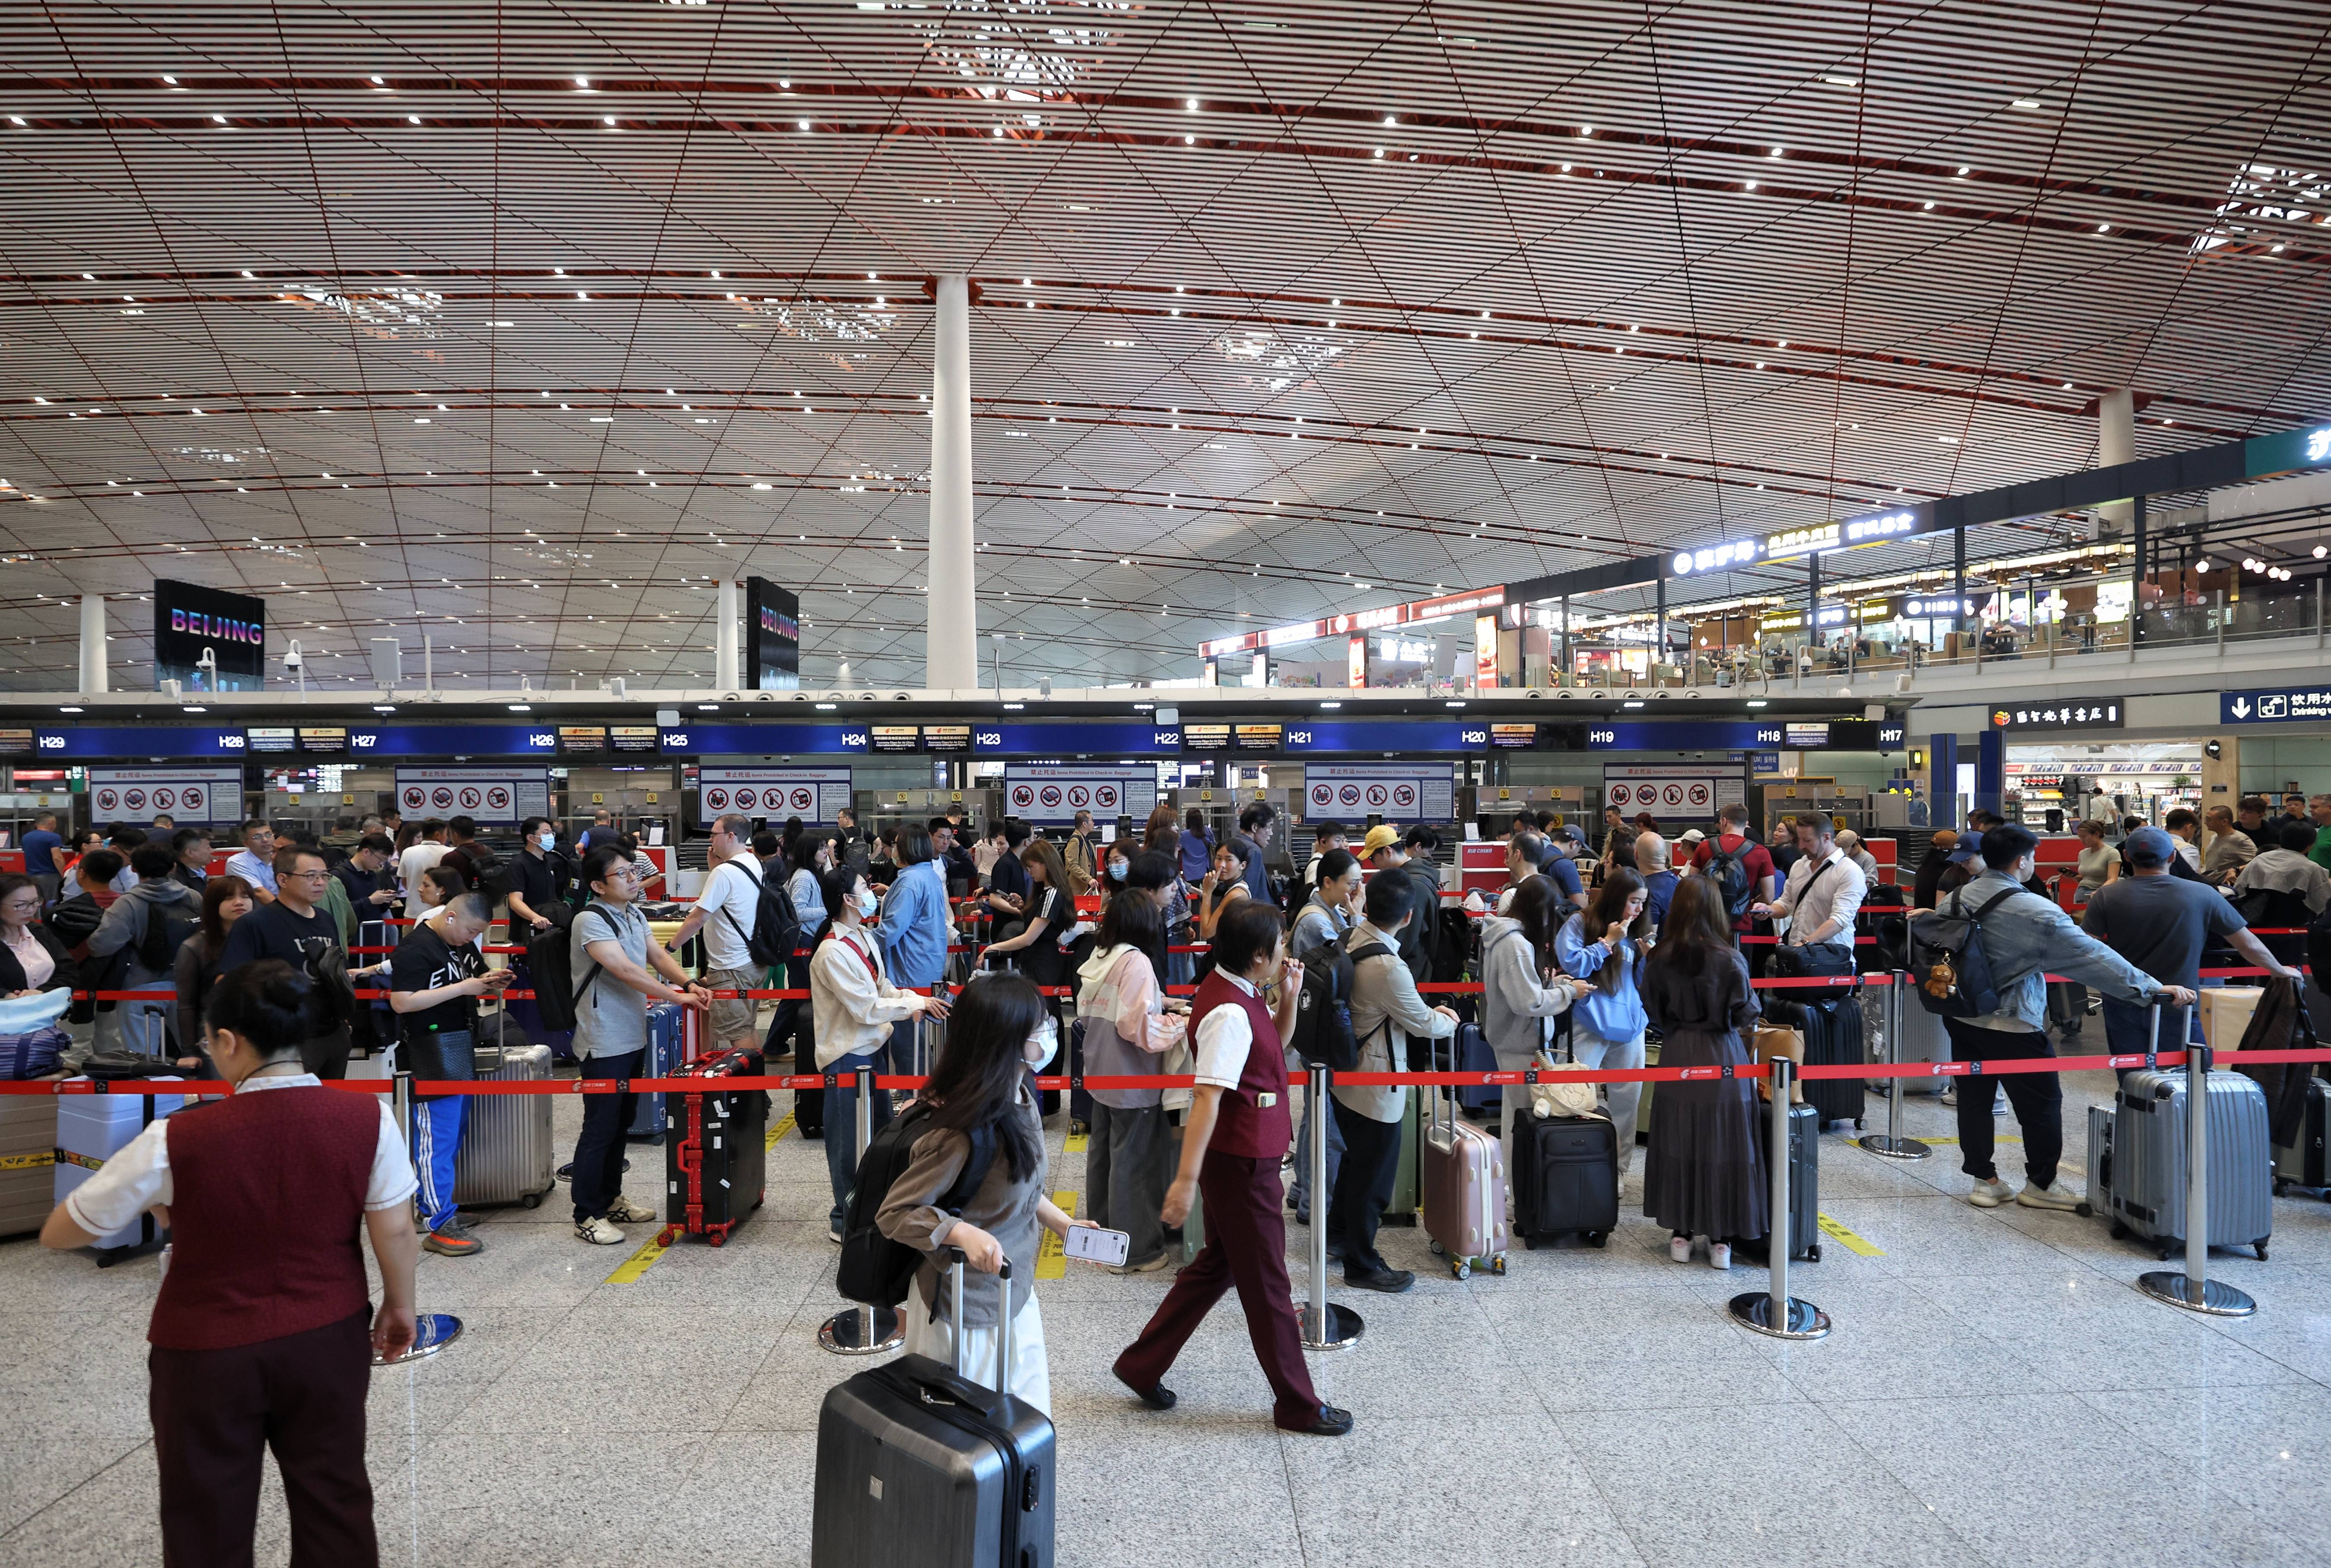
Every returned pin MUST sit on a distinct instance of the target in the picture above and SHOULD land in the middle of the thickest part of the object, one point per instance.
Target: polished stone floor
(1995, 1392)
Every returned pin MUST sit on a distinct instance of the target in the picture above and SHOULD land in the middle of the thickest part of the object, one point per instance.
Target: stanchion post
(1774, 1311)
(863, 1330)
(2193, 1289)
(1891, 1144)
(1327, 1325)
(400, 1095)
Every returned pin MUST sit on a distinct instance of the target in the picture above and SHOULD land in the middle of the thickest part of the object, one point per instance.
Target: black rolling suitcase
(1804, 1177)
(916, 1464)
(2303, 1164)
(1566, 1177)
(1830, 1022)
(717, 1149)
(1079, 1097)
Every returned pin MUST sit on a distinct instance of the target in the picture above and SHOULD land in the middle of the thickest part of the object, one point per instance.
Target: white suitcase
(91, 1130)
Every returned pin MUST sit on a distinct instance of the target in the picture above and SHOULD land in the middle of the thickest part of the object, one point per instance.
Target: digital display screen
(1205, 736)
(582, 737)
(1258, 738)
(1853, 734)
(1806, 735)
(946, 737)
(270, 739)
(334, 738)
(16, 741)
(895, 737)
(1516, 736)
(633, 737)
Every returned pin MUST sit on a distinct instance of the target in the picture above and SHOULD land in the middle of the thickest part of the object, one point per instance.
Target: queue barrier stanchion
(863, 1330)
(1890, 1144)
(1326, 1325)
(1774, 1311)
(2193, 1289)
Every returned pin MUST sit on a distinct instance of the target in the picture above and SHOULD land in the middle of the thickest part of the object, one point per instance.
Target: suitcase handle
(955, 1264)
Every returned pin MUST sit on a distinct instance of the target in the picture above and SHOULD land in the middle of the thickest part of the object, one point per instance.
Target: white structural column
(2116, 443)
(93, 644)
(725, 622)
(951, 626)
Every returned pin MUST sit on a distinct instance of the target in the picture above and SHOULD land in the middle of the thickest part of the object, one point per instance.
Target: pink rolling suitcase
(1461, 1179)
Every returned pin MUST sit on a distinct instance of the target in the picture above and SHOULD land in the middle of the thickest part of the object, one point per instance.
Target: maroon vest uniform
(1244, 1125)
(268, 1196)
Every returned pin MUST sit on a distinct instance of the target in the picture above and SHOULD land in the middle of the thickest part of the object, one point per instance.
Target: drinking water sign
(2276, 705)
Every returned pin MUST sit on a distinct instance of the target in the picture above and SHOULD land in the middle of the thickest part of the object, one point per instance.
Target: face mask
(548, 841)
(1116, 869)
(864, 899)
(1041, 1045)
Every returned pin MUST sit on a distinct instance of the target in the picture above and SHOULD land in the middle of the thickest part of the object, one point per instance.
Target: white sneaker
(1990, 1194)
(1679, 1249)
(1719, 1255)
(598, 1233)
(624, 1211)
(1951, 1095)
(2054, 1195)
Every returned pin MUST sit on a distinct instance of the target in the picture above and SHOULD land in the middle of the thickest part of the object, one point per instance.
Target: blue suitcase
(1474, 1055)
(666, 1039)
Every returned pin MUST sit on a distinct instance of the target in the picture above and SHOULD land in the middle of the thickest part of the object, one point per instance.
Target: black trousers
(2038, 1099)
(1363, 1187)
(215, 1414)
(598, 1176)
(327, 1055)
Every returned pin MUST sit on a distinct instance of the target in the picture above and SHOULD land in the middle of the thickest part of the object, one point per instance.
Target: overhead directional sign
(2276, 705)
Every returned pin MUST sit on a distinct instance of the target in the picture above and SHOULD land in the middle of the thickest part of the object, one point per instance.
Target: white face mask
(1041, 1046)
(864, 899)
(548, 841)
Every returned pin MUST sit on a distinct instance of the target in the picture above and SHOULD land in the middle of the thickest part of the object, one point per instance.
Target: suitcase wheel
(1498, 1265)
(716, 1239)
(2261, 1250)
(1461, 1269)
(1077, 1128)
(1596, 1238)
(2280, 1186)
(1857, 1124)
(1436, 1247)
(663, 1237)
(2119, 1231)
(532, 1200)
(1812, 1253)
(1530, 1243)
(2084, 1210)
(2162, 1253)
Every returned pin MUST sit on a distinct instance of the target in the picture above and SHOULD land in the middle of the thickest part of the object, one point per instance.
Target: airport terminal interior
(1713, 619)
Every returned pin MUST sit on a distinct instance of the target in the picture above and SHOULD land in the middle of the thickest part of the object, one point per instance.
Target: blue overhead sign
(1119, 740)
(1686, 734)
(157, 740)
(761, 739)
(2276, 705)
(1362, 736)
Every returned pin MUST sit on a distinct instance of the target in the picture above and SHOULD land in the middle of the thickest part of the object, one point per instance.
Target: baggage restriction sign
(188, 794)
(1056, 793)
(815, 794)
(490, 794)
(1406, 792)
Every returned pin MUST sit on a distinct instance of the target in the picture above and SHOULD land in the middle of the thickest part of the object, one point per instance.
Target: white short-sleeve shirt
(139, 1177)
(732, 892)
(1225, 1036)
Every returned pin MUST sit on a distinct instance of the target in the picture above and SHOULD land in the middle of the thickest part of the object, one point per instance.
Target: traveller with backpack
(1980, 961)
(1129, 1027)
(750, 927)
(620, 971)
(855, 1010)
(2282, 887)
(974, 1179)
(141, 934)
(1740, 867)
(1522, 986)
(1317, 944)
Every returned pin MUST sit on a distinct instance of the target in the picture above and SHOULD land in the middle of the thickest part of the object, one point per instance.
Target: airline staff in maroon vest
(1237, 1133)
(263, 1333)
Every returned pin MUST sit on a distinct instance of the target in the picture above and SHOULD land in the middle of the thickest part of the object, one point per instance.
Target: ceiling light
(2027, 103)
(1191, 103)
(1843, 80)
(1756, 702)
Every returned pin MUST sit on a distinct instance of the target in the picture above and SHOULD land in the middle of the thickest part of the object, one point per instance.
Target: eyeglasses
(316, 875)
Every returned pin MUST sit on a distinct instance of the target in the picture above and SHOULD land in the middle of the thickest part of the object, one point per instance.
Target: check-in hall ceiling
(523, 323)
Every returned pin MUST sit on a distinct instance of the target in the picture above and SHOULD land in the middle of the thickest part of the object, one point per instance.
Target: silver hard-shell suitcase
(506, 1155)
(916, 1464)
(2146, 1184)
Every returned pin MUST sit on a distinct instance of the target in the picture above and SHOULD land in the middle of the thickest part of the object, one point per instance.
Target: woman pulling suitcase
(982, 1107)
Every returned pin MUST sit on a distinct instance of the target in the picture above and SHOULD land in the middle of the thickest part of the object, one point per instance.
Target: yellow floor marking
(779, 1131)
(637, 1263)
(1078, 1143)
(1052, 1262)
(1836, 1231)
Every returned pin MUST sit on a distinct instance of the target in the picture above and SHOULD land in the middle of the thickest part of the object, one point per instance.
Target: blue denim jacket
(2028, 938)
(913, 932)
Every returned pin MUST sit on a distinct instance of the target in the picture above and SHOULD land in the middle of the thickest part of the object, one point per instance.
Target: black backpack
(873, 1268)
(168, 927)
(1947, 963)
(2273, 908)
(550, 966)
(776, 928)
(1728, 869)
(1323, 1014)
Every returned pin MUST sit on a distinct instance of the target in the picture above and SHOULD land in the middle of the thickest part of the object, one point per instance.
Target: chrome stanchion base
(1755, 1310)
(2218, 1298)
(431, 1332)
(1887, 1148)
(862, 1331)
(1343, 1326)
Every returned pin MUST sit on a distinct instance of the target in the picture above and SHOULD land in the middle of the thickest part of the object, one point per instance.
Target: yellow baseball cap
(1383, 836)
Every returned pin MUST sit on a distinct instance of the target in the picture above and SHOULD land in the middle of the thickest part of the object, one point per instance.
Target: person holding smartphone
(984, 1119)
(435, 977)
(1237, 1131)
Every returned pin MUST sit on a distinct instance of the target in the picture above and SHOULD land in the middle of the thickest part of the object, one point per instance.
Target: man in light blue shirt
(255, 861)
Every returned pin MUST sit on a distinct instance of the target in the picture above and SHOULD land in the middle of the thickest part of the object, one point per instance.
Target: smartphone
(1112, 1247)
